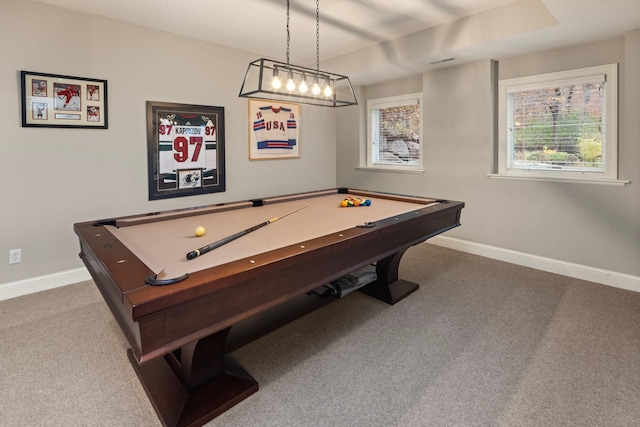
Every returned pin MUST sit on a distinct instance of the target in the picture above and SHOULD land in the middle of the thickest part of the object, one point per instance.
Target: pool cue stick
(203, 250)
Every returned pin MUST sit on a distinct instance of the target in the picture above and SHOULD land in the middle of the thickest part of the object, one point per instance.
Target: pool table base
(195, 384)
(388, 287)
(198, 382)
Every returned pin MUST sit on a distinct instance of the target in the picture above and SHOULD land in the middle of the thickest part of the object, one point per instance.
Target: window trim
(392, 101)
(610, 173)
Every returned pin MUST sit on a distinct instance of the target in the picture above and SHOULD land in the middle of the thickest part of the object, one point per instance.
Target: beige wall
(591, 225)
(55, 177)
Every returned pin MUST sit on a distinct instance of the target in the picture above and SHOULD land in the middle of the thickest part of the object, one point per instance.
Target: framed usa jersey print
(185, 149)
(274, 130)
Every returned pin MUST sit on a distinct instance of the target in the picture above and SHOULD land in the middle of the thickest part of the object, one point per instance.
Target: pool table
(183, 316)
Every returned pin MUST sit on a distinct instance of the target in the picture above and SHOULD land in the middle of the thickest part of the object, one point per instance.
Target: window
(560, 125)
(394, 133)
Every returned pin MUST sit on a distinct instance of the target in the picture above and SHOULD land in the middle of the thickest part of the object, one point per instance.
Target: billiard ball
(355, 201)
(200, 231)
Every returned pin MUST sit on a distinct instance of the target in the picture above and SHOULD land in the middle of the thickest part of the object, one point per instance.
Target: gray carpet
(482, 343)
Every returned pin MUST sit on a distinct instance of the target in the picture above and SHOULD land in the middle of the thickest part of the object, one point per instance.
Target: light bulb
(276, 83)
(316, 88)
(303, 84)
(290, 84)
(327, 90)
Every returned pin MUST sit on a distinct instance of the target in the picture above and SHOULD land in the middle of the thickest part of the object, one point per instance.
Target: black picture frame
(186, 149)
(59, 101)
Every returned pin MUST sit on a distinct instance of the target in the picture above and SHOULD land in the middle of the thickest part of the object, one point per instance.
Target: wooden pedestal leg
(388, 287)
(195, 384)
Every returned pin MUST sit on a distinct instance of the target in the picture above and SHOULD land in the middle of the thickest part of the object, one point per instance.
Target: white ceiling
(349, 26)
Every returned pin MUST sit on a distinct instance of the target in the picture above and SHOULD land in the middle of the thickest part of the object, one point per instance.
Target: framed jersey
(274, 130)
(185, 149)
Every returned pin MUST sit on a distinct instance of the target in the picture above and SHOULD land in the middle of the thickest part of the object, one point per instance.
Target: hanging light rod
(265, 79)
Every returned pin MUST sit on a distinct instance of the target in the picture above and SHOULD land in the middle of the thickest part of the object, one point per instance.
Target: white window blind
(395, 132)
(560, 125)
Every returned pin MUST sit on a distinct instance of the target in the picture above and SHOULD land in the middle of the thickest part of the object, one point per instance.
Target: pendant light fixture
(264, 79)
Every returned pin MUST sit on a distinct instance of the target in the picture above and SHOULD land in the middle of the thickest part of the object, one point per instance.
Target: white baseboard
(605, 277)
(577, 271)
(42, 283)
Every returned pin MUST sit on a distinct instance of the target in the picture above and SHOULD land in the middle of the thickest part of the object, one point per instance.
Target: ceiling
(350, 29)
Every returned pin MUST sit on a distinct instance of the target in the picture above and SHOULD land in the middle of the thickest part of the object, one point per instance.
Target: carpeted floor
(482, 343)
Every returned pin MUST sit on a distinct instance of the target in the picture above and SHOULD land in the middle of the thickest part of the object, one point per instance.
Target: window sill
(405, 169)
(585, 180)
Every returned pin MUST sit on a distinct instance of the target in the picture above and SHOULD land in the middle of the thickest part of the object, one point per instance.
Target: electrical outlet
(15, 256)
